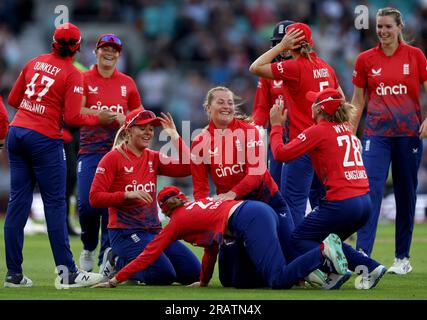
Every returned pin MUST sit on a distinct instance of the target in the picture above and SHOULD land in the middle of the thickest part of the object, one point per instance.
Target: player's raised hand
(290, 40)
(121, 118)
(278, 114)
(169, 125)
(139, 195)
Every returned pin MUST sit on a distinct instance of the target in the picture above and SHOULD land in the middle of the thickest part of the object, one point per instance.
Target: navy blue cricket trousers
(299, 183)
(234, 264)
(177, 263)
(91, 219)
(256, 225)
(404, 154)
(343, 218)
(35, 158)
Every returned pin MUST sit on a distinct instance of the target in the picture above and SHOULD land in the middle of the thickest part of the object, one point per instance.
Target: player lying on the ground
(205, 222)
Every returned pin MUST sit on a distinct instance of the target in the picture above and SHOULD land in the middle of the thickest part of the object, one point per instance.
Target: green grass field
(38, 265)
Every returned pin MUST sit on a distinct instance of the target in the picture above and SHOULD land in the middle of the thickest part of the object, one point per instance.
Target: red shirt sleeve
(134, 100)
(208, 263)
(172, 167)
(422, 65)
(286, 70)
(261, 113)
(255, 164)
(4, 120)
(151, 252)
(305, 142)
(17, 92)
(359, 75)
(99, 195)
(73, 102)
(199, 170)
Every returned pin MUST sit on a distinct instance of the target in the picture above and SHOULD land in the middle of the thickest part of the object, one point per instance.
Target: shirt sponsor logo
(279, 67)
(253, 143)
(123, 90)
(277, 84)
(376, 72)
(225, 171)
(383, 90)
(128, 170)
(78, 89)
(135, 186)
(93, 90)
(406, 68)
(98, 170)
(113, 108)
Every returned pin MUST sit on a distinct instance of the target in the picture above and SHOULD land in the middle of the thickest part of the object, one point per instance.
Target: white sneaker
(78, 279)
(317, 278)
(400, 266)
(108, 266)
(335, 281)
(17, 281)
(332, 250)
(87, 260)
(368, 282)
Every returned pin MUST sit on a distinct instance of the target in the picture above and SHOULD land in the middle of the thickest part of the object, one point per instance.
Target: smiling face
(141, 136)
(221, 108)
(388, 30)
(107, 56)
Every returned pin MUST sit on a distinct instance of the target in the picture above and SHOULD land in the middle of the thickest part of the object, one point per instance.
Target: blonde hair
(120, 140)
(389, 11)
(238, 114)
(305, 50)
(344, 113)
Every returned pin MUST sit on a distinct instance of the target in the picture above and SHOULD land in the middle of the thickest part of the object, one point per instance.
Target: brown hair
(344, 113)
(389, 11)
(238, 113)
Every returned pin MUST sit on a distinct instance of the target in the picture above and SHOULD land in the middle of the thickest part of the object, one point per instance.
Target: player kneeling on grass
(336, 156)
(205, 222)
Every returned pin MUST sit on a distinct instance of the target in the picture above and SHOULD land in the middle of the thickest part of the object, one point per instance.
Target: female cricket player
(205, 222)
(47, 92)
(335, 153)
(232, 152)
(390, 74)
(304, 72)
(105, 88)
(126, 182)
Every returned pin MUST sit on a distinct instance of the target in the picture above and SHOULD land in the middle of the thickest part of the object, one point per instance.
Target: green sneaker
(332, 250)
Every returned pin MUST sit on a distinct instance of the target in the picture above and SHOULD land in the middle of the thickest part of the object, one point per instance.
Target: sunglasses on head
(110, 38)
(142, 115)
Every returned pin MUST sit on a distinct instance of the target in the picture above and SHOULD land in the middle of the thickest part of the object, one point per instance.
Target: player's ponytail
(389, 11)
(120, 140)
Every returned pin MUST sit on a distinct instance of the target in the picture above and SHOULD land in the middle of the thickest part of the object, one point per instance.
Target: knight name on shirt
(47, 67)
(320, 73)
(33, 107)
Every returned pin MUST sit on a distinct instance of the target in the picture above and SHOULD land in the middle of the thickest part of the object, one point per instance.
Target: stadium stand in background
(177, 49)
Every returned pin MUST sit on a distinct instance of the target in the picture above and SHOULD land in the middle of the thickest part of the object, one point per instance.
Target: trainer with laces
(17, 281)
(400, 266)
(87, 260)
(108, 267)
(366, 282)
(77, 279)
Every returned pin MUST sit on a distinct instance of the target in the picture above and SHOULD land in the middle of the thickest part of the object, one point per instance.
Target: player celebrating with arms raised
(390, 74)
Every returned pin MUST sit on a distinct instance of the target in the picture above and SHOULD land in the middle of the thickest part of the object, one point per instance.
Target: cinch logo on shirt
(391, 90)
(118, 108)
(135, 186)
(229, 171)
